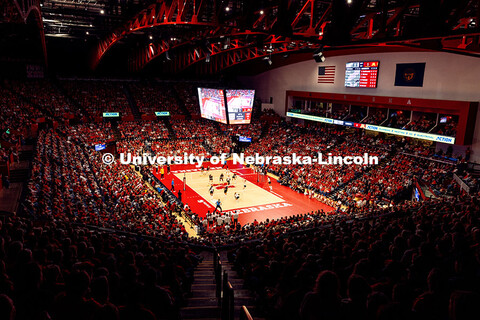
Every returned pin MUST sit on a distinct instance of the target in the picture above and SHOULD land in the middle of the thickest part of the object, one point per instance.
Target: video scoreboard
(361, 74)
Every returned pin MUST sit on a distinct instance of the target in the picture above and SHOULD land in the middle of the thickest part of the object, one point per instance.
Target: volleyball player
(211, 190)
(225, 191)
(221, 177)
(244, 184)
(237, 196)
(270, 184)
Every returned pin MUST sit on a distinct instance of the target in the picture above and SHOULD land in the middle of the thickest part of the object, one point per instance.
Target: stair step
(199, 293)
(244, 301)
(203, 302)
(204, 286)
(200, 312)
(204, 281)
(204, 275)
(242, 293)
(195, 318)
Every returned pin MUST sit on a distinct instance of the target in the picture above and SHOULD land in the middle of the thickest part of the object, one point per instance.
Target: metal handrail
(245, 314)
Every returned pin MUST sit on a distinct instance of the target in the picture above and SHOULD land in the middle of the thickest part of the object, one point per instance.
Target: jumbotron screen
(362, 74)
(212, 104)
(239, 106)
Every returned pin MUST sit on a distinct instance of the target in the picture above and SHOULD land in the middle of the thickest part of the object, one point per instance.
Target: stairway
(265, 129)
(169, 127)
(19, 172)
(116, 133)
(21, 96)
(26, 153)
(71, 100)
(203, 303)
(180, 102)
(131, 102)
(242, 296)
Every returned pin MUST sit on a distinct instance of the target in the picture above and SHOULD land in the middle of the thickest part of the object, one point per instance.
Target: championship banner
(409, 74)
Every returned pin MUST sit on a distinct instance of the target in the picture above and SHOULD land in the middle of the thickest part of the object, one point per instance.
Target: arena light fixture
(318, 55)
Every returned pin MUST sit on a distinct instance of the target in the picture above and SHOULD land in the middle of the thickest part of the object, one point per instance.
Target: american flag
(326, 74)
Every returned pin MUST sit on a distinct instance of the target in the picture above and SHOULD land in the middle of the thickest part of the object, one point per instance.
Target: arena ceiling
(212, 36)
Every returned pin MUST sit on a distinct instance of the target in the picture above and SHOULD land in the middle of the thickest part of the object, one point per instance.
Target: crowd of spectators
(56, 270)
(16, 118)
(448, 128)
(418, 262)
(72, 183)
(338, 112)
(219, 144)
(390, 181)
(44, 94)
(403, 260)
(357, 113)
(180, 147)
(471, 181)
(252, 130)
(189, 96)
(62, 183)
(186, 129)
(151, 97)
(97, 97)
(285, 139)
(376, 116)
(132, 205)
(142, 130)
(423, 124)
(90, 134)
(398, 119)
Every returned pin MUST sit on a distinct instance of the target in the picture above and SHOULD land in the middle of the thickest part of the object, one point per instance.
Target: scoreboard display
(239, 105)
(361, 74)
(212, 104)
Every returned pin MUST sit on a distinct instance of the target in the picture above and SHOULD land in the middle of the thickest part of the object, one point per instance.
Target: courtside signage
(371, 127)
(111, 114)
(309, 117)
(162, 113)
(244, 139)
(99, 147)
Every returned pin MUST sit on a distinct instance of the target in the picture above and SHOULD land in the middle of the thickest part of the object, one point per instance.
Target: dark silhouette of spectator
(355, 306)
(7, 308)
(464, 305)
(324, 301)
(73, 303)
